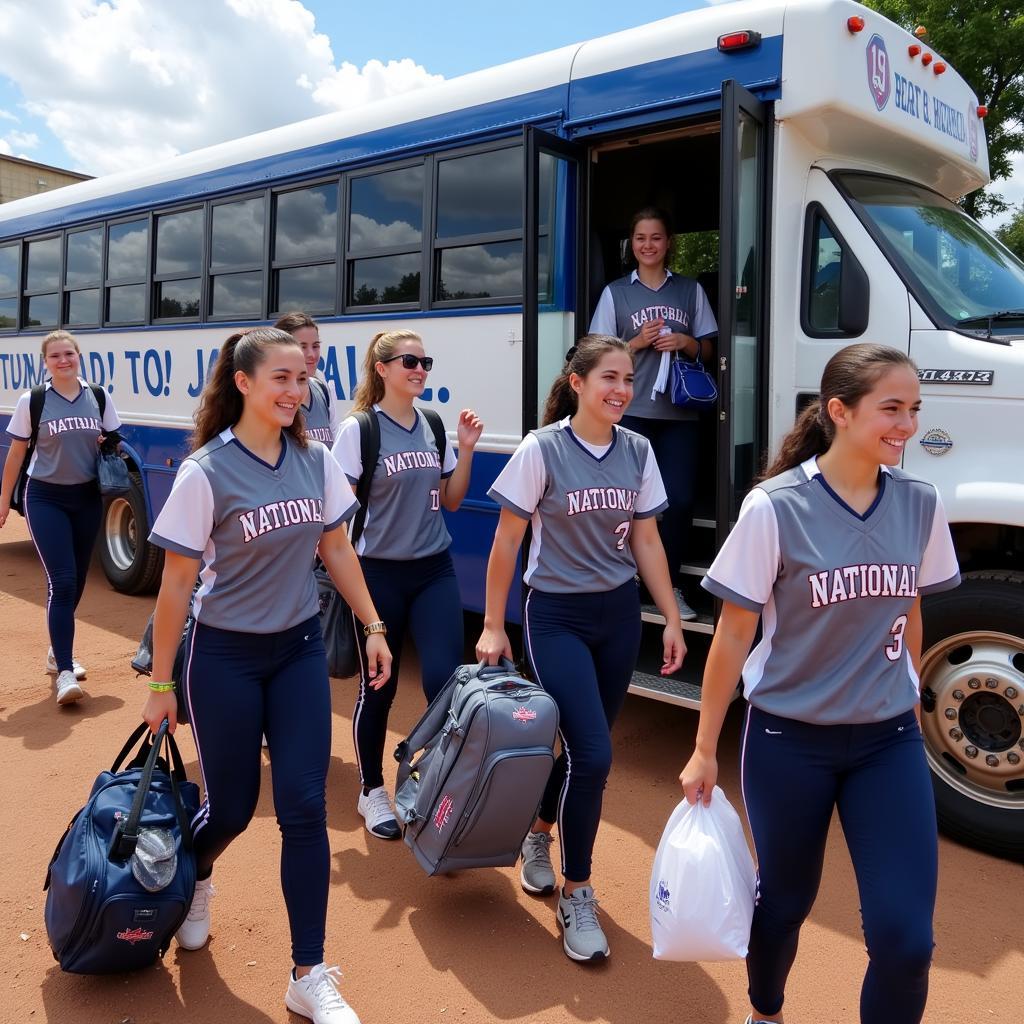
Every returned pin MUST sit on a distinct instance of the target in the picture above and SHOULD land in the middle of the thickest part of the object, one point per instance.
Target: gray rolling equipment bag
(471, 796)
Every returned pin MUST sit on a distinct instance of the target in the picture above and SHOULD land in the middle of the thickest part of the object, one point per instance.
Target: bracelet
(374, 627)
(162, 687)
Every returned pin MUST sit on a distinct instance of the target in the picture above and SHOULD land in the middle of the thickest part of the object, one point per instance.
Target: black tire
(972, 686)
(130, 562)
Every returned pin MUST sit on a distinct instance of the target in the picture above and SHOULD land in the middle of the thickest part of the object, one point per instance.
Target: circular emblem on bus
(936, 441)
(972, 130)
(879, 77)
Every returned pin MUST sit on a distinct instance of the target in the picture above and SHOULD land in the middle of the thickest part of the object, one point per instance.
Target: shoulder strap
(35, 411)
(101, 397)
(437, 428)
(369, 449)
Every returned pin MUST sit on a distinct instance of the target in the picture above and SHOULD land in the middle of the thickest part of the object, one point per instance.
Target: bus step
(697, 568)
(665, 688)
(702, 624)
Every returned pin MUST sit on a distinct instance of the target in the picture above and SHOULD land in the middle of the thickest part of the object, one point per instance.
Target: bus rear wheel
(131, 563)
(972, 701)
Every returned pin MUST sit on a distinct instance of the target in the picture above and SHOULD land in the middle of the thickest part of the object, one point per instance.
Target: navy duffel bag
(122, 877)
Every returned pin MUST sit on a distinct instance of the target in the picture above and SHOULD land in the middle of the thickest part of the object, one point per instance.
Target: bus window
(304, 249)
(42, 281)
(83, 270)
(127, 271)
(8, 287)
(179, 265)
(236, 245)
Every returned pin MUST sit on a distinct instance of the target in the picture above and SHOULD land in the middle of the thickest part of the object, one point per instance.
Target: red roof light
(913, 49)
(855, 24)
(926, 59)
(939, 67)
(982, 111)
(739, 41)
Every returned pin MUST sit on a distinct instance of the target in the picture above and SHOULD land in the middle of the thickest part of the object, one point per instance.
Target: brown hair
(382, 346)
(60, 336)
(292, 322)
(580, 359)
(651, 213)
(221, 403)
(849, 375)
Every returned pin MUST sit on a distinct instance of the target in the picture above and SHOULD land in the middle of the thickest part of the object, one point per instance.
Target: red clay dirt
(415, 950)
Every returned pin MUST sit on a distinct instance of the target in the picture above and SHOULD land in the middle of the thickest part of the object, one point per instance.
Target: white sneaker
(195, 929)
(68, 690)
(316, 996)
(686, 613)
(375, 807)
(51, 665)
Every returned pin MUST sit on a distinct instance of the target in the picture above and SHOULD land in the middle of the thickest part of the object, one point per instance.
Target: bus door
(553, 221)
(742, 349)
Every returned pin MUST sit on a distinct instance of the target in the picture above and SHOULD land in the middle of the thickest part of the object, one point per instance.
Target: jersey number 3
(894, 650)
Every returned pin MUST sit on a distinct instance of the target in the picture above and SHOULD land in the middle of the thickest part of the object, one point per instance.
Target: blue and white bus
(810, 153)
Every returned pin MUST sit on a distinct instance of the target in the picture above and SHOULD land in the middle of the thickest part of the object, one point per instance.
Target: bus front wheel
(972, 710)
(131, 563)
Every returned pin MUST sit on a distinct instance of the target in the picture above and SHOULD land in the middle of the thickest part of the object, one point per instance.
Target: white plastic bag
(702, 884)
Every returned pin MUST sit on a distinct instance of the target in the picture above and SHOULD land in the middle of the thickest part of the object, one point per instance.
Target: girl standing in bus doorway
(660, 313)
(404, 546)
(251, 506)
(320, 410)
(832, 552)
(62, 501)
(591, 490)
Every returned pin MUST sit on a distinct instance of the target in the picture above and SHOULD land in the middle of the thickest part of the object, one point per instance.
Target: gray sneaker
(537, 877)
(582, 937)
(686, 613)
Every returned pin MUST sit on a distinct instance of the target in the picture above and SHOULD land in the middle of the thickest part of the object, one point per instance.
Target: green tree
(1011, 234)
(984, 41)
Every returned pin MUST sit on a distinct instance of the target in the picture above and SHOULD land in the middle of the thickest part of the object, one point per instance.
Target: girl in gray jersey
(248, 511)
(62, 501)
(661, 314)
(590, 491)
(403, 548)
(320, 411)
(832, 553)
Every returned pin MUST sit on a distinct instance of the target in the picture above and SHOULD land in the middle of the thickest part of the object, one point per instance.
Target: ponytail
(811, 435)
(580, 359)
(371, 385)
(221, 404)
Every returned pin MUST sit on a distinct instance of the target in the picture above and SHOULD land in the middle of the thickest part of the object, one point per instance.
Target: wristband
(374, 627)
(162, 687)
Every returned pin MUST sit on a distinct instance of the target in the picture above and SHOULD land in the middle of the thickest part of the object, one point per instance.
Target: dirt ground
(418, 950)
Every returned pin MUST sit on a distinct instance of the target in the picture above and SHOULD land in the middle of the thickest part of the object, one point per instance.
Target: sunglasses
(410, 362)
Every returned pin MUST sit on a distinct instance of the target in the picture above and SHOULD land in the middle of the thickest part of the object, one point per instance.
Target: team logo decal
(936, 441)
(662, 896)
(443, 812)
(972, 131)
(524, 714)
(879, 77)
(133, 935)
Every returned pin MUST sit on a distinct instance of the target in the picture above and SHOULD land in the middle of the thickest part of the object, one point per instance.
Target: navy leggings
(675, 447)
(420, 597)
(240, 686)
(63, 520)
(794, 774)
(582, 649)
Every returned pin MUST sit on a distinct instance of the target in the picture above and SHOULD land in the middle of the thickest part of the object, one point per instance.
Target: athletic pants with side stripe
(240, 686)
(582, 649)
(63, 520)
(419, 597)
(876, 775)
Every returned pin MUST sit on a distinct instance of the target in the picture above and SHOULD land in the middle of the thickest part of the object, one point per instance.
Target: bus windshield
(961, 275)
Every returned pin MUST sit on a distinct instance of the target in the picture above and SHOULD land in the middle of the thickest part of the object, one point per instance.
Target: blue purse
(690, 384)
(112, 473)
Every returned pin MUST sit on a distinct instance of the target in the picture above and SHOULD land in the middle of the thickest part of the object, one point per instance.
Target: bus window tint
(179, 243)
(8, 287)
(386, 210)
(314, 289)
(480, 194)
(480, 271)
(826, 266)
(178, 298)
(385, 280)
(954, 267)
(41, 311)
(306, 225)
(128, 251)
(43, 271)
(84, 258)
(237, 234)
(239, 295)
(82, 307)
(126, 304)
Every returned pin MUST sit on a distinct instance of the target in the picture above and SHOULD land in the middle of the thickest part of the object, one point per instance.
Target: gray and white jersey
(321, 412)
(581, 501)
(623, 309)
(256, 528)
(403, 513)
(65, 451)
(834, 590)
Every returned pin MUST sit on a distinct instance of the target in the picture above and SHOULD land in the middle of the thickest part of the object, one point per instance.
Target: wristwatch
(374, 627)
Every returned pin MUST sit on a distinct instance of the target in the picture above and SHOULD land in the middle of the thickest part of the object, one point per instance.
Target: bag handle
(485, 671)
(126, 836)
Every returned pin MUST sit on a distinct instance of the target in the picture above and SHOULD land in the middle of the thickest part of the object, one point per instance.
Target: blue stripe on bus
(599, 98)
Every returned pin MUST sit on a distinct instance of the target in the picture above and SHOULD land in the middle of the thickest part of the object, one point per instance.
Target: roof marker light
(939, 68)
(926, 59)
(920, 31)
(855, 23)
(913, 49)
(982, 111)
(744, 40)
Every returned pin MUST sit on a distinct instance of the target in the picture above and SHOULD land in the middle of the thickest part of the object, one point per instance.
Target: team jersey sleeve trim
(934, 588)
(510, 505)
(651, 512)
(939, 567)
(186, 521)
(170, 545)
(340, 503)
(522, 482)
(20, 425)
(745, 569)
(347, 451)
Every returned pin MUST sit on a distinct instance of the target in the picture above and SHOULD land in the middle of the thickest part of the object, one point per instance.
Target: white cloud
(6, 115)
(124, 83)
(5, 147)
(24, 140)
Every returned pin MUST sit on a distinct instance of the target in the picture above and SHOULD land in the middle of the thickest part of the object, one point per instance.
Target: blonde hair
(60, 336)
(382, 346)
